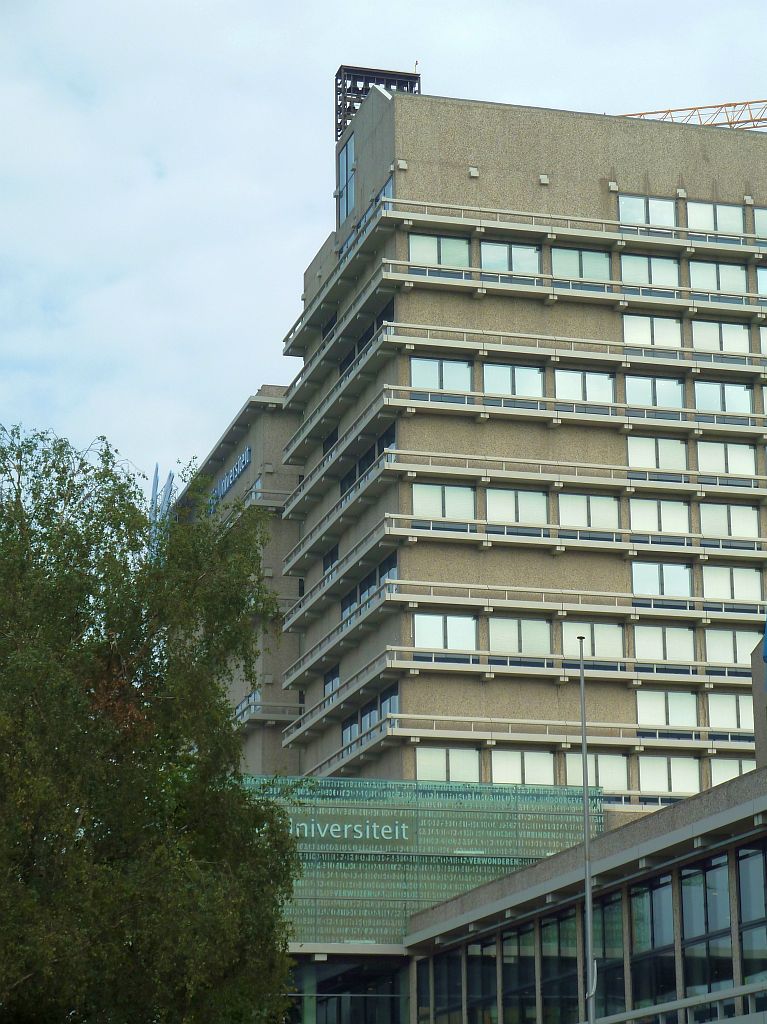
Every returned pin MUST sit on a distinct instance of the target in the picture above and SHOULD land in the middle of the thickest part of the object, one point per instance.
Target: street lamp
(591, 965)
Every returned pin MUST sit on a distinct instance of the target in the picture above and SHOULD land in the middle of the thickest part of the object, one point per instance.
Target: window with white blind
(508, 379)
(584, 385)
(667, 707)
(664, 392)
(720, 396)
(440, 374)
(670, 578)
(725, 768)
(659, 515)
(710, 336)
(588, 264)
(668, 453)
(516, 506)
(718, 520)
(439, 250)
(610, 771)
(731, 710)
(678, 775)
(445, 632)
(648, 331)
(443, 501)
(598, 511)
(721, 218)
(734, 582)
(510, 257)
(602, 639)
(519, 636)
(528, 767)
(731, 646)
(647, 210)
(660, 271)
(447, 764)
(730, 278)
(726, 457)
(664, 643)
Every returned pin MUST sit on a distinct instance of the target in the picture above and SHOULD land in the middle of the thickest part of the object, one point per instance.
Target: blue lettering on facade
(227, 480)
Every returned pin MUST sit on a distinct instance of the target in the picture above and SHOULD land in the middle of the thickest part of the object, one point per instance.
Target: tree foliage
(140, 880)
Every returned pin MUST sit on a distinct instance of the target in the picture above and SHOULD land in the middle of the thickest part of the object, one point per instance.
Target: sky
(166, 174)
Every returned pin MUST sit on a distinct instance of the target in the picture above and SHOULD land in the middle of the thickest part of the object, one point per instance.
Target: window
(330, 558)
(666, 392)
(647, 331)
(507, 506)
(367, 587)
(667, 453)
(518, 975)
(711, 336)
(659, 515)
(448, 987)
(731, 646)
(511, 257)
(580, 263)
(760, 223)
(520, 636)
(329, 440)
(731, 710)
(481, 986)
(584, 386)
(664, 643)
(438, 250)
(667, 707)
(670, 578)
(647, 210)
(386, 703)
(726, 457)
(725, 768)
(445, 632)
(761, 280)
(603, 639)
(732, 582)
(559, 969)
(718, 217)
(503, 379)
(350, 730)
(440, 374)
(384, 315)
(332, 680)
(346, 169)
(389, 701)
(447, 764)
(610, 771)
(752, 893)
(368, 459)
(443, 501)
(598, 511)
(653, 270)
(706, 942)
(729, 520)
(717, 396)
(653, 973)
(518, 767)
(718, 277)
(423, 991)
(610, 996)
(668, 774)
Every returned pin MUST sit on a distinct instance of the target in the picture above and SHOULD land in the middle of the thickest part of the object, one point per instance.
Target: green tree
(140, 880)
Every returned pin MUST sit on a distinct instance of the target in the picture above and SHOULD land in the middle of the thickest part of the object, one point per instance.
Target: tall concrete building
(531, 409)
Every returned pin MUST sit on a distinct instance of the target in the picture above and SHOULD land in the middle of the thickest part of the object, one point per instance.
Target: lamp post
(591, 966)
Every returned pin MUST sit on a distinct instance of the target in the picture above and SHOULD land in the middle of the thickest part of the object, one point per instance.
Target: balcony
(485, 470)
(616, 737)
(408, 595)
(483, 534)
(252, 711)
(556, 668)
(388, 213)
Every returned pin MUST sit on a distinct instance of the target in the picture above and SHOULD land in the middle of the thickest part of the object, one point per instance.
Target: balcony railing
(486, 533)
(486, 598)
(487, 664)
(525, 223)
(554, 735)
(553, 286)
(253, 709)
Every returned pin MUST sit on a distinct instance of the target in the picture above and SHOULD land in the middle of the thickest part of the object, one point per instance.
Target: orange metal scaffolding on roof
(747, 114)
